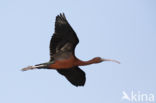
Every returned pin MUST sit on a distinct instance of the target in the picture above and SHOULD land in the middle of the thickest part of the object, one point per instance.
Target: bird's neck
(83, 63)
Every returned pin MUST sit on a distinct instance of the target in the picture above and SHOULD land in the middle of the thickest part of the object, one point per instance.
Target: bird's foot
(28, 68)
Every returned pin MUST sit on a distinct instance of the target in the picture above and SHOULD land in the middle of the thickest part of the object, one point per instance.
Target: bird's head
(99, 60)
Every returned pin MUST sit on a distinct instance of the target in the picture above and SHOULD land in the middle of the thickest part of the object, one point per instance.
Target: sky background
(119, 29)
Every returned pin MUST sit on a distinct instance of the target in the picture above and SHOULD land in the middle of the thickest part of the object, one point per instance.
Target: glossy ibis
(62, 55)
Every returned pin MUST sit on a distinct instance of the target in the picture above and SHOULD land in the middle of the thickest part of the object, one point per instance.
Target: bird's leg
(111, 60)
(38, 66)
(32, 67)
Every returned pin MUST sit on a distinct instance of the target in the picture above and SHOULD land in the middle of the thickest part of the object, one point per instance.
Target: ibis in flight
(62, 54)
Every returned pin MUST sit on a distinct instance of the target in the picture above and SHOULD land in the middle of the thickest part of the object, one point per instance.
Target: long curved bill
(111, 60)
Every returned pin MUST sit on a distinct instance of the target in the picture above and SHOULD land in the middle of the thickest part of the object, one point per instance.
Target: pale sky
(119, 29)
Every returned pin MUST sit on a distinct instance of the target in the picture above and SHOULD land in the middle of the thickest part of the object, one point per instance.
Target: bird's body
(64, 64)
(62, 53)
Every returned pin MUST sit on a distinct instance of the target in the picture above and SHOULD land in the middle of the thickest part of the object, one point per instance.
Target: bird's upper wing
(74, 75)
(64, 38)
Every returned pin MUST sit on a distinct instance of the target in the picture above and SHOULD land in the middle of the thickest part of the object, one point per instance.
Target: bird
(62, 54)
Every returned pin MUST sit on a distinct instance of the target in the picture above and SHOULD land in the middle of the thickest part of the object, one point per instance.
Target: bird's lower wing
(74, 75)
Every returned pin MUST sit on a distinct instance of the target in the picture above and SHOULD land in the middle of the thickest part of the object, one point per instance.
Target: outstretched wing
(64, 38)
(74, 75)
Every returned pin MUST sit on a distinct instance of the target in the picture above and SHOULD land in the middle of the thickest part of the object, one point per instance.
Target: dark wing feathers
(74, 75)
(63, 34)
(64, 41)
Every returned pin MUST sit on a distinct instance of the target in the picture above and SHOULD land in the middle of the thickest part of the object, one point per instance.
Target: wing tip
(74, 75)
(61, 18)
(79, 85)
